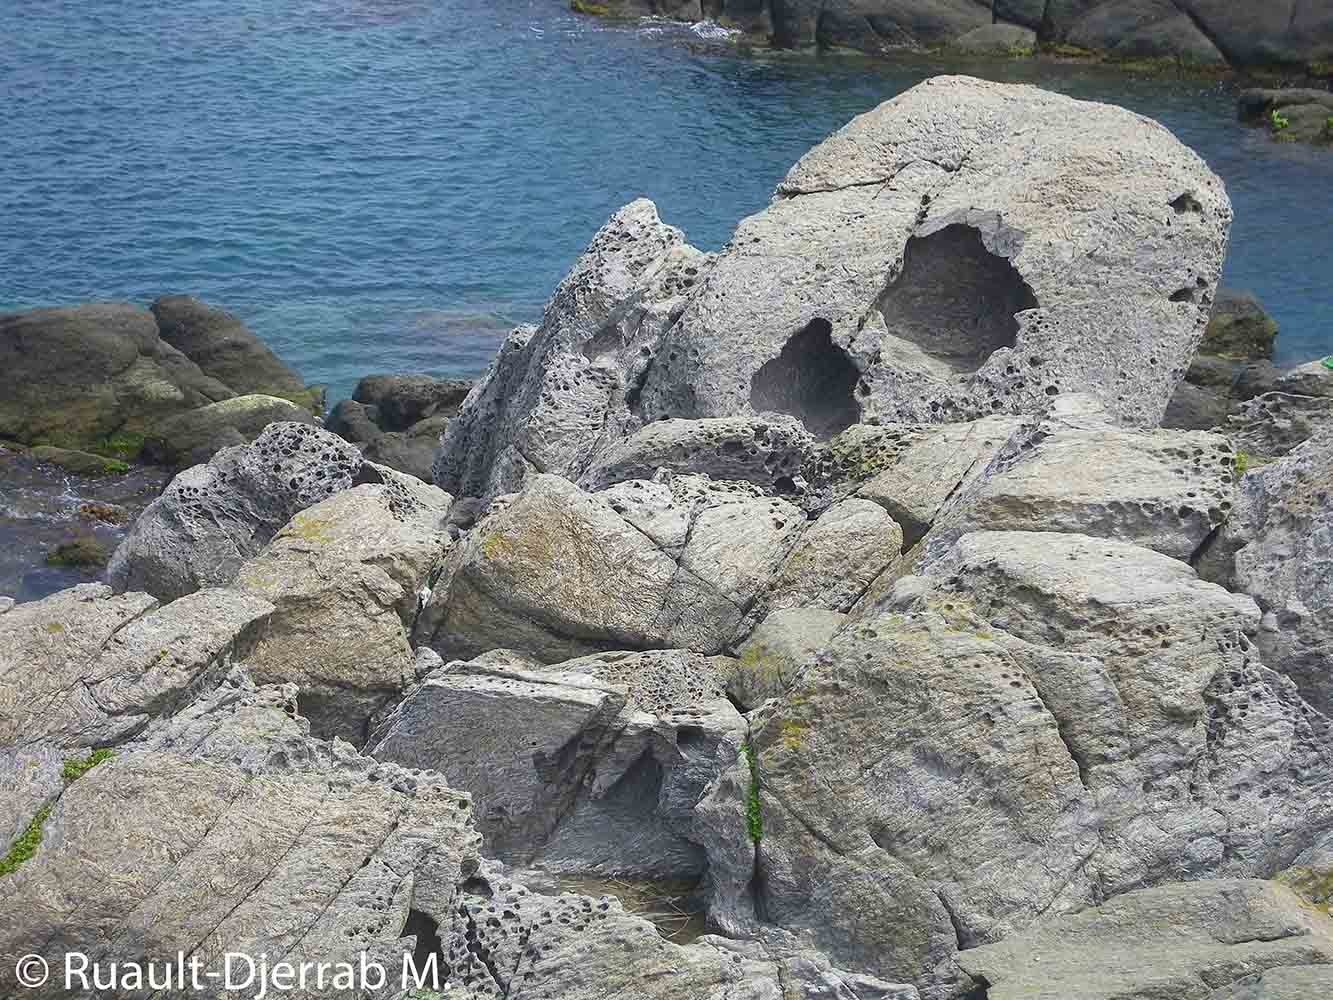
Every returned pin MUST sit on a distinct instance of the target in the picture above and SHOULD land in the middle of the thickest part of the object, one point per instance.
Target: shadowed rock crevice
(812, 379)
(427, 932)
(954, 300)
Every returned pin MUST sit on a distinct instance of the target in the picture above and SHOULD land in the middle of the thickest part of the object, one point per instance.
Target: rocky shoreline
(832, 617)
(1199, 34)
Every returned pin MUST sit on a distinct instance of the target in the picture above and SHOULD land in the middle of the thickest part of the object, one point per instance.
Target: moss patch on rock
(82, 552)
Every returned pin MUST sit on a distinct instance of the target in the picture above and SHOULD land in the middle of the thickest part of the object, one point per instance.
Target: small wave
(713, 31)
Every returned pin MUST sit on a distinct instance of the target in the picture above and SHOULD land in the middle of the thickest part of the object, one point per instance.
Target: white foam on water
(713, 31)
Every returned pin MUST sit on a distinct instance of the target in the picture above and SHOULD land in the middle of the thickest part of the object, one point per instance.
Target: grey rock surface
(505, 940)
(590, 766)
(344, 578)
(559, 573)
(767, 452)
(995, 40)
(911, 471)
(558, 392)
(1224, 940)
(230, 829)
(1190, 32)
(1271, 425)
(1239, 327)
(770, 660)
(1045, 721)
(1289, 982)
(88, 668)
(1278, 547)
(836, 558)
(1164, 490)
(978, 310)
(213, 517)
(901, 274)
(405, 400)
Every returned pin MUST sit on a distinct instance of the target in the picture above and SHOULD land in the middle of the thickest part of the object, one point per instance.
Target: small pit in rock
(812, 379)
(954, 300)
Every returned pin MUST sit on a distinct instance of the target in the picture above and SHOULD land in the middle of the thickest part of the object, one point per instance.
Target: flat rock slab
(558, 572)
(594, 765)
(85, 667)
(230, 829)
(1164, 490)
(1203, 939)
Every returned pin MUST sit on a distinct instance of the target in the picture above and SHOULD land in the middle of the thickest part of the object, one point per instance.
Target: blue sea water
(388, 185)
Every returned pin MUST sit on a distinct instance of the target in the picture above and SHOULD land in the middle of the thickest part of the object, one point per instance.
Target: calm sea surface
(380, 185)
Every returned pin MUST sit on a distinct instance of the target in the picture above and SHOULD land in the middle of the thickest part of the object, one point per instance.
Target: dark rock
(74, 376)
(402, 400)
(1303, 123)
(226, 349)
(1239, 327)
(80, 462)
(353, 421)
(397, 420)
(1258, 103)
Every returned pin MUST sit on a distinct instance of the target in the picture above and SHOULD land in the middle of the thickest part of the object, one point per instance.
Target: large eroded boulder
(213, 517)
(345, 578)
(1041, 722)
(993, 222)
(940, 259)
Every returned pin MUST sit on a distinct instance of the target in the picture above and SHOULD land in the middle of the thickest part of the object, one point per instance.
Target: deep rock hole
(427, 932)
(812, 379)
(955, 300)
